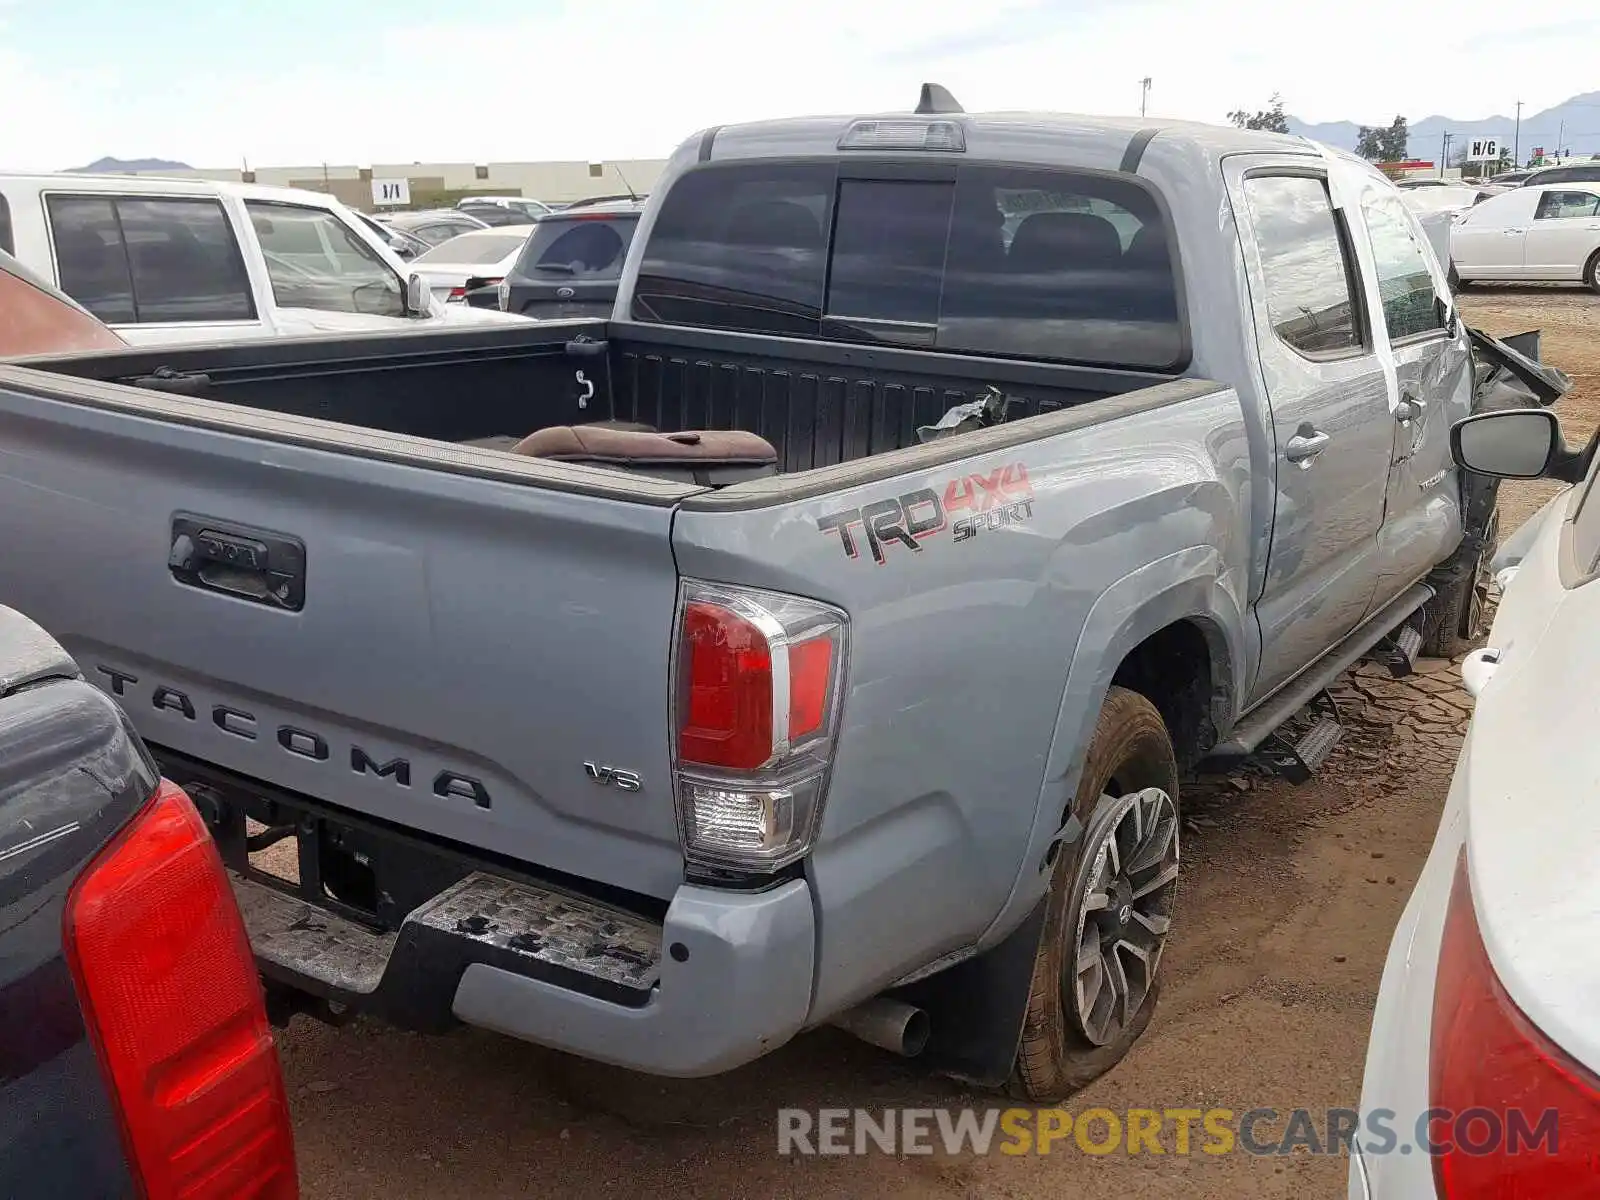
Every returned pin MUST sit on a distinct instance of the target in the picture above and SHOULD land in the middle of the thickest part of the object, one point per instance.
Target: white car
(1534, 234)
(483, 254)
(1483, 1068)
(166, 261)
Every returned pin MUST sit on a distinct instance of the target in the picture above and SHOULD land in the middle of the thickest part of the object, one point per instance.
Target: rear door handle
(1303, 447)
(239, 561)
(1512, 232)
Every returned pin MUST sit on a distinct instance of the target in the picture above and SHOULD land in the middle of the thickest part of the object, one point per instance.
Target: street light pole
(1144, 93)
(1444, 154)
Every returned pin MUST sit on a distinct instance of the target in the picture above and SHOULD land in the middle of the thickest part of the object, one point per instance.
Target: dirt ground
(1290, 896)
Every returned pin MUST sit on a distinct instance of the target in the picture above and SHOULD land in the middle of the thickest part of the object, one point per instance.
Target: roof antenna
(936, 99)
(632, 195)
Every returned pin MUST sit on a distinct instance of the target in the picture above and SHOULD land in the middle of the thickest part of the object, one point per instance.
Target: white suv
(190, 260)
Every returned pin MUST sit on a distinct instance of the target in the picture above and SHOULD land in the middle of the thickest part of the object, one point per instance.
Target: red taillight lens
(728, 690)
(1487, 1056)
(810, 673)
(456, 293)
(172, 1001)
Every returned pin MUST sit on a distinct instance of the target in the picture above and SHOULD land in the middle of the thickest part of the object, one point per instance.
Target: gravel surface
(1290, 896)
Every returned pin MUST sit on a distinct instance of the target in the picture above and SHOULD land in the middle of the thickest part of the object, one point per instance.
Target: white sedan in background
(482, 256)
(1483, 1068)
(1549, 233)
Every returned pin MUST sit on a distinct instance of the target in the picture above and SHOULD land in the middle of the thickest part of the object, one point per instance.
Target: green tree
(1377, 144)
(1270, 118)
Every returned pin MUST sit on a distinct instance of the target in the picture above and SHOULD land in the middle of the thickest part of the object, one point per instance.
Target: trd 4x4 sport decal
(973, 503)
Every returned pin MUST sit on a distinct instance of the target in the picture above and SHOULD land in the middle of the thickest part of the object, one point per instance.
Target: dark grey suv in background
(571, 264)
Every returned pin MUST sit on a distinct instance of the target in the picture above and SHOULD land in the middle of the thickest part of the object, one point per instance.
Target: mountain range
(114, 166)
(1575, 121)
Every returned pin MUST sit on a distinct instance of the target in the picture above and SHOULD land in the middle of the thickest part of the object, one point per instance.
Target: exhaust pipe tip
(891, 1025)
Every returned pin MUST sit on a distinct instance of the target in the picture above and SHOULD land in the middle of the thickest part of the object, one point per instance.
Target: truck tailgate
(450, 654)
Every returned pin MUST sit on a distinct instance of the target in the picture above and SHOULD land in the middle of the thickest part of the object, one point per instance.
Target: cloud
(569, 81)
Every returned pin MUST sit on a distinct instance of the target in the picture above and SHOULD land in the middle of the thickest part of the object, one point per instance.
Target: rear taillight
(172, 1002)
(758, 680)
(456, 296)
(1499, 1079)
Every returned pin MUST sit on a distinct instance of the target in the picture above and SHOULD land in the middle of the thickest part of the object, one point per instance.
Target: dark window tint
(1405, 284)
(741, 247)
(149, 261)
(1046, 264)
(1554, 206)
(587, 248)
(1585, 174)
(91, 260)
(888, 250)
(1057, 265)
(7, 242)
(1309, 284)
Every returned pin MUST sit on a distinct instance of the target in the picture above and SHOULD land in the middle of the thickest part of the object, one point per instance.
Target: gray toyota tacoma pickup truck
(821, 639)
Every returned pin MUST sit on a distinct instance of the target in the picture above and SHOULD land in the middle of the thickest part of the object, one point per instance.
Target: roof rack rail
(937, 99)
(599, 200)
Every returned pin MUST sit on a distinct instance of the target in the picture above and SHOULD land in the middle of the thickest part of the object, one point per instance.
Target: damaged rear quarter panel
(969, 585)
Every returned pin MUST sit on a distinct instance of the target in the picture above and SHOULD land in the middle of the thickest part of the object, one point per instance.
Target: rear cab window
(149, 259)
(1041, 263)
(591, 247)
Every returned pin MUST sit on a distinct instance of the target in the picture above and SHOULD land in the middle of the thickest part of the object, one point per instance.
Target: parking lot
(1290, 897)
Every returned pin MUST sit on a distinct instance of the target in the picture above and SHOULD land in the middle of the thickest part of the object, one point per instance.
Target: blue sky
(297, 82)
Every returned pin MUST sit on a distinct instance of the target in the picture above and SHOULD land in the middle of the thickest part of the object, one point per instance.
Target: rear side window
(1555, 206)
(1404, 282)
(992, 260)
(589, 248)
(1310, 292)
(160, 260)
(7, 242)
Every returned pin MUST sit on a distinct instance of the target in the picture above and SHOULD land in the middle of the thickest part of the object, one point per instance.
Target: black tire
(1457, 284)
(1131, 751)
(1453, 619)
(1591, 272)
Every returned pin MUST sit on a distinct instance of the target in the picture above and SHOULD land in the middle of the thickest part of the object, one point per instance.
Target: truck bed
(819, 405)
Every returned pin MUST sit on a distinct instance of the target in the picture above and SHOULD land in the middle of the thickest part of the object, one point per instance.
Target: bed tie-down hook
(587, 392)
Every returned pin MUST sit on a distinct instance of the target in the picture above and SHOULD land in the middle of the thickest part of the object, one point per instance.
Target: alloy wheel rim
(1124, 912)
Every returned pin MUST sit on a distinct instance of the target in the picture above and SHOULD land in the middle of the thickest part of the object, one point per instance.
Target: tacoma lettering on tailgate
(302, 743)
(973, 503)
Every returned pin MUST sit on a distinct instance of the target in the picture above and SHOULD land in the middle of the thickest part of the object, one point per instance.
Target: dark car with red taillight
(570, 265)
(135, 1054)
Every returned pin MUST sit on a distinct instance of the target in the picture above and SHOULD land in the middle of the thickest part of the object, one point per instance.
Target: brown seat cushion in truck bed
(709, 457)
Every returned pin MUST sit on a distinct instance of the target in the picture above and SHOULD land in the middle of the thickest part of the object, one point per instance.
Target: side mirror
(417, 297)
(402, 247)
(1515, 443)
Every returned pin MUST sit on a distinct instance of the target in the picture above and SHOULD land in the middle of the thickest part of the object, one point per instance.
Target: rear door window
(1310, 286)
(1556, 206)
(992, 260)
(155, 260)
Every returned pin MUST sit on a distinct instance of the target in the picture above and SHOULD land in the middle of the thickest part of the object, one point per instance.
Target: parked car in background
(570, 265)
(186, 260)
(504, 210)
(1487, 1003)
(1546, 233)
(1568, 172)
(474, 260)
(434, 226)
(404, 245)
(1505, 181)
(1450, 197)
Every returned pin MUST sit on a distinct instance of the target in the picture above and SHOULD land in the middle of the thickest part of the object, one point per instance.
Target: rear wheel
(1591, 272)
(1110, 907)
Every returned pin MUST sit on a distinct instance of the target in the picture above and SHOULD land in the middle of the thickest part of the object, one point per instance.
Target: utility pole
(1444, 154)
(1561, 133)
(1144, 93)
(1516, 140)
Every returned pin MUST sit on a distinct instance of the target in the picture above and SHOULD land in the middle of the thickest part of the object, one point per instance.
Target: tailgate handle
(239, 561)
